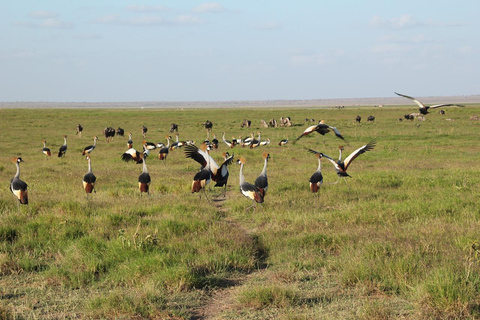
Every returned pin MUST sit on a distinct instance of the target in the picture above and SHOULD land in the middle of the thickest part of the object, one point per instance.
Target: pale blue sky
(132, 50)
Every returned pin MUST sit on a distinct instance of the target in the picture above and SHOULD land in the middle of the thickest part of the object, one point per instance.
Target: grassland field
(400, 241)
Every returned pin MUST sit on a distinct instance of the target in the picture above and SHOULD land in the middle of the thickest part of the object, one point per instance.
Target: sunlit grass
(395, 242)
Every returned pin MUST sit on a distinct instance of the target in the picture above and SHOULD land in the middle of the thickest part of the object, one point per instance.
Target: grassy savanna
(400, 241)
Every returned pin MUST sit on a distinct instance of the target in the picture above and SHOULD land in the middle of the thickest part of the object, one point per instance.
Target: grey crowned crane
(144, 131)
(342, 166)
(163, 153)
(129, 141)
(316, 179)
(424, 109)
(222, 177)
(63, 148)
(249, 190)
(17, 186)
(204, 176)
(144, 180)
(46, 151)
(89, 178)
(132, 155)
(283, 142)
(219, 174)
(229, 143)
(262, 181)
(89, 149)
(322, 129)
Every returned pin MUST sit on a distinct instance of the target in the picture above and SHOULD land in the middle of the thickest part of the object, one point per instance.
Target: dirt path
(224, 299)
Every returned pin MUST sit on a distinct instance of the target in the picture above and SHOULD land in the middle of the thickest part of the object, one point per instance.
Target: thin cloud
(42, 14)
(149, 20)
(402, 22)
(406, 21)
(309, 59)
(209, 8)
(145, 8)
(268, 26)
(50, 23)
(87, 36)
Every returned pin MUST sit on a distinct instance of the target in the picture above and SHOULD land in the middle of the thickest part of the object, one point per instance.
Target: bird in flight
(423, 108)
(322, 129)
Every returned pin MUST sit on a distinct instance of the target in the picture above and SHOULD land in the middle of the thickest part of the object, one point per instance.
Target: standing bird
(79, 130)
(144, 131)
(262, 182)
(17, 186)
(63, 149)
(316, 179)
(322, 129)
(342, 166)
(144, 180)
(163, 153)
(204, 176)
(89, 149)
(215, 142)
(424, 109)
(249, 190)
(222, 172)
(45, 150)
(89, 178)
(129, 142)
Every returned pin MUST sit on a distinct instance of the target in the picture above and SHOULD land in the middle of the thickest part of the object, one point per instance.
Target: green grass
(395, 243)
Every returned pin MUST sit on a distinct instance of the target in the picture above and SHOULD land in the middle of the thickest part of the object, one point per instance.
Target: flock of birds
(209, 169)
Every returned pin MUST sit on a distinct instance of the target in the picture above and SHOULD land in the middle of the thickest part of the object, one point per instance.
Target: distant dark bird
(283, 142)
(163, 153)
(249, 190)
(173, 128)
(358, 119)
(370, 118)
(45, 150)
(132, 155)
(229, 143)
(342, 166)
(262, 181)
(322, 129)
(316, 179)
(89, 149)
(89, 178)
(144, 131)
(424, 109)
(144, 180)
(109, 134)
(208, 126)
(63, 148)
(79, 130)
(120, 132)
(17, 186)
